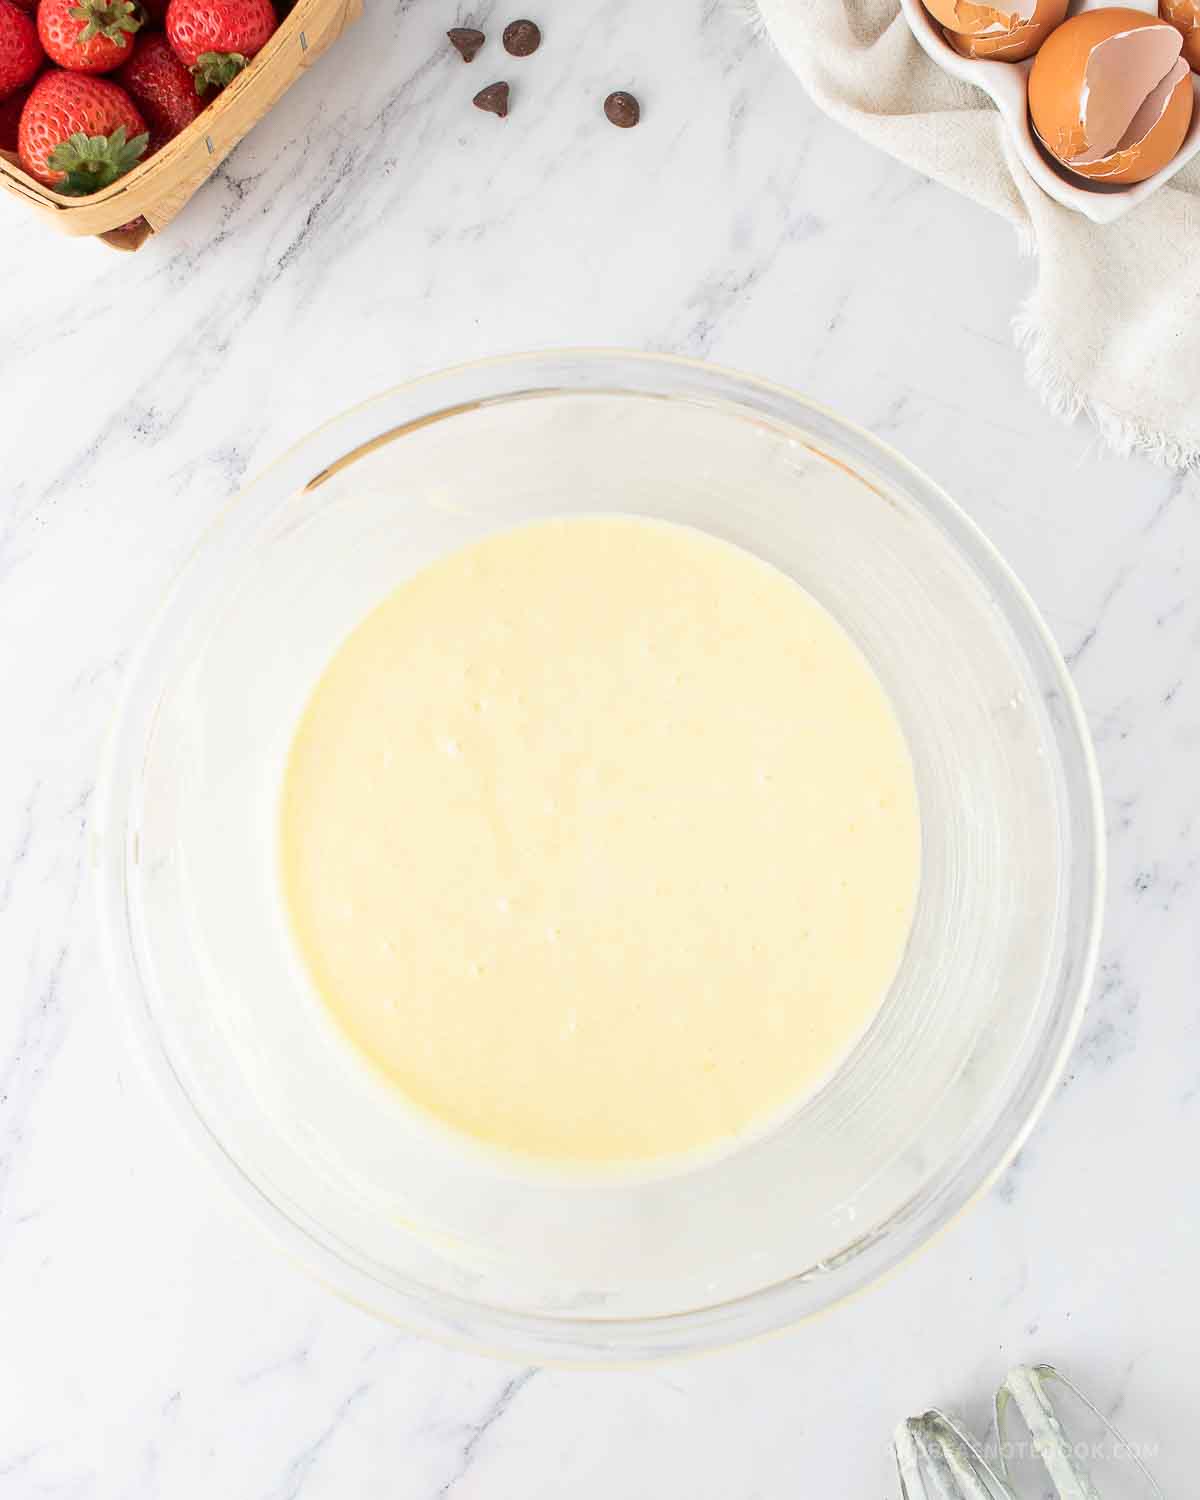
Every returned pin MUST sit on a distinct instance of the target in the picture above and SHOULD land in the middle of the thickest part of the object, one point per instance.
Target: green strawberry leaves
(108, 18)
(93, 162)
(216, 69)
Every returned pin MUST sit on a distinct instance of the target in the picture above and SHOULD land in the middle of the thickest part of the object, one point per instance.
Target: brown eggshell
(1056, 87)
(1184, 15)
(1011, 46)
(967, 18)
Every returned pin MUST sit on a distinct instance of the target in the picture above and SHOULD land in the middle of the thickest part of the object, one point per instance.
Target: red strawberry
(20, 51)
(162, 88)
(88, 36)
(78, 133)
(10, 118)
(216, 38)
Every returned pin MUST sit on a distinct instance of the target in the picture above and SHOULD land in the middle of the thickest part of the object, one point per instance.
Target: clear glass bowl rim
(536, 1337)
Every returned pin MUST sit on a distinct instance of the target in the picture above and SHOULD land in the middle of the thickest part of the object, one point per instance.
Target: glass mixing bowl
(932, 1102)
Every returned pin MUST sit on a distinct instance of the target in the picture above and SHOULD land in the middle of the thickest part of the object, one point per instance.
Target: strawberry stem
(216, 69)
(93, 162)
(108, 18)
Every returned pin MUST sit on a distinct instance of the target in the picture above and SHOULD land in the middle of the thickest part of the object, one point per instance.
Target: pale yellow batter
(600, 840)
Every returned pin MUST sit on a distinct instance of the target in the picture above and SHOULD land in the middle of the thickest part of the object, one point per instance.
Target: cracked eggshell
(1109, 95)
(1184, 15)
(968, 18)
(1005, 45)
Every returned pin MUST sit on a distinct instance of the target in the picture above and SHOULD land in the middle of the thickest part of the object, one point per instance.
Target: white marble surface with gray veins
(375, 226)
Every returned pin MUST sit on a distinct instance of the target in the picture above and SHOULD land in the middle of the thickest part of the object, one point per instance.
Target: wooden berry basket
(146, 199)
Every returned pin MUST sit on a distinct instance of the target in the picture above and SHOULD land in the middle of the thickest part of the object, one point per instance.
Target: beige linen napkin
(1112, 326)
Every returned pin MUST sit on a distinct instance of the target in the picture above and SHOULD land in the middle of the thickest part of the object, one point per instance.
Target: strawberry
(10, 118)
(216, 38)
(88, 36)
(21, 53)
(161, 87)
(79, 133)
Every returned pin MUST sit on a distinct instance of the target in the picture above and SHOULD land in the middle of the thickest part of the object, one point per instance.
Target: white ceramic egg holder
(1007, 84)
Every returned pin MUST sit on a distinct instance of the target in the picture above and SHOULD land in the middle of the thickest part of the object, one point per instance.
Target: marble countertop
(373, 227)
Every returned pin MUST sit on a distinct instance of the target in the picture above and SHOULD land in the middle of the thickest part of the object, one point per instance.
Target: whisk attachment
(1047, 1439)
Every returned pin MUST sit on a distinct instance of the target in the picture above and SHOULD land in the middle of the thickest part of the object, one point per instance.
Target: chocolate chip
(466, 40)
(623, 109)
(494, 99)
(521, 38)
